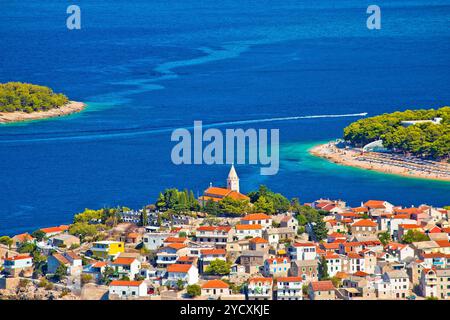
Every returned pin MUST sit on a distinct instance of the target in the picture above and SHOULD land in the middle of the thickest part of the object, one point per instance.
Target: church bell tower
(233, 180)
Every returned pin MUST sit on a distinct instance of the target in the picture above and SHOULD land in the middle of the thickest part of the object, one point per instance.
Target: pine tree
(320, 230)
(323, 269)
(161, 202)
(144, 217)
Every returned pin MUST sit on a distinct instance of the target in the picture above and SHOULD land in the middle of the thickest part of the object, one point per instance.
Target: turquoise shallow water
(147, 67)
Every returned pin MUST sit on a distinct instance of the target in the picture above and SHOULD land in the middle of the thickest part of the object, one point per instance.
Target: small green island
(413, 143)
(24, 101)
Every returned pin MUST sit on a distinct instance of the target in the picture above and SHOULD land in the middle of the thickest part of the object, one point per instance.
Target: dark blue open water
(145, 65)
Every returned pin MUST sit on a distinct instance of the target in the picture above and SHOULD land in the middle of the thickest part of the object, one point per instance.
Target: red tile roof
(176, 246)
(258, 240)
(326, 285)
(409, 226)
(213, 252)
(353, 255)
(261, 279)
(248, 227)
(61, 258)
(402, 216)
(289, 279)
(360, 274)
(435, 229)
(364, 223)
(180, 268)
(330, 246)
(360, 209)
(303, 244)
(336, 235)
(215, 284)
(18, 257)
(23, 237)
(133, 235)
(99, 264)
(175, 240)
(214, 228)
(394, 246)
(217, 194)
(374, 204)
(435, 255)
(186, 259)
(443, 243)
(124, 283)
(330, 255)
(61, 228)
(278, 260)
(217, 191)
(408, 211)
(123, 261)
(256, 216)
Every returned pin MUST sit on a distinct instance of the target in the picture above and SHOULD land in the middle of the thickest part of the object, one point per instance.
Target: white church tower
(233, 180)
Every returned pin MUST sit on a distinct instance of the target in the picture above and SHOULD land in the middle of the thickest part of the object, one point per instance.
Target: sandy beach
(385, 163)
(69, 108)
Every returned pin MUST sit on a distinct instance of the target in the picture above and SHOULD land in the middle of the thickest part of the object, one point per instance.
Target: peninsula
(410, 143)
(24, 102)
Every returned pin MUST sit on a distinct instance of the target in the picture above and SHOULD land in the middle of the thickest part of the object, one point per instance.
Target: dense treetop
(424, 139)
(17, 96)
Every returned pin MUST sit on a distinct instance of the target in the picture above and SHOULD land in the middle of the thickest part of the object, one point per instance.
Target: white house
(334, 263)
(260, 289)
(154, 240)
(356, 262)
(379, 206)
(126, 289)
(54, 230)
(398, 251)
(248, 231)
(18, 265)
(435, 282)
(396, 221)
(303, 251)
(169, 254)
(261, 219)
(289, 222)
(399, 281)
(187, 273)
(289, 288)
(276, 267)
(214, 289)
(209, 255)
(127, 266)
(70, 260)
(216, 235)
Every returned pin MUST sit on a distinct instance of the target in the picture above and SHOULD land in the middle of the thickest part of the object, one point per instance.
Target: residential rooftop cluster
(377, 250)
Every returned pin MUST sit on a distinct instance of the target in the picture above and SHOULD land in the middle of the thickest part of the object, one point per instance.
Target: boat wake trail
(292, 118)
(139, 131)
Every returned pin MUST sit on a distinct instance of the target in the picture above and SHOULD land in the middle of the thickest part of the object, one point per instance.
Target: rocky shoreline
(19, 116)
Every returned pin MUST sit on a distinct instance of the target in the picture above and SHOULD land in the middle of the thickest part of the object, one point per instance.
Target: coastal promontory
(413, 143)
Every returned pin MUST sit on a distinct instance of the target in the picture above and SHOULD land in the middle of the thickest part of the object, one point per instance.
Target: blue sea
(147, 67)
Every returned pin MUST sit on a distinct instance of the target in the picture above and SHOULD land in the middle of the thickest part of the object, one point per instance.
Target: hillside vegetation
(424, 140)
(17, 96)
